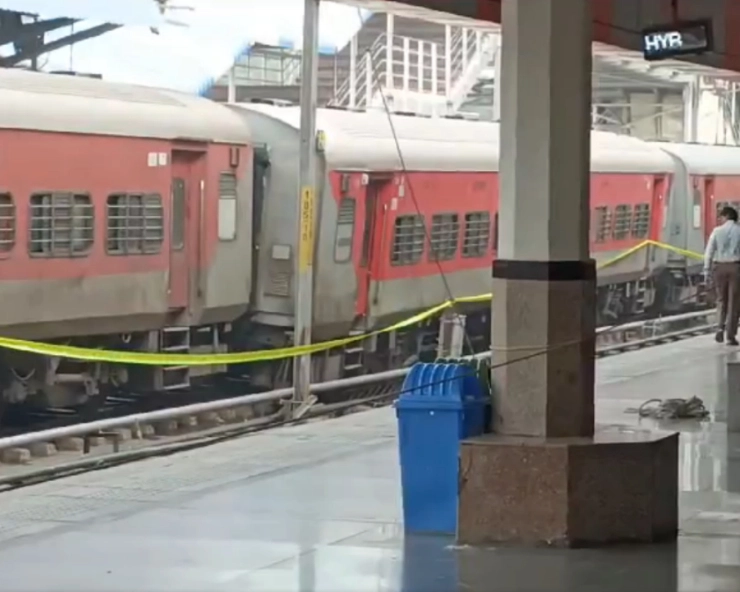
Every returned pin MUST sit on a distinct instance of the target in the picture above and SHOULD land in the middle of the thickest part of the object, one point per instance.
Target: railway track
(62, 445)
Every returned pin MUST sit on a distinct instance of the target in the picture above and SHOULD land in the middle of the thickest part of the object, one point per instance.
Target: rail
(650, 326)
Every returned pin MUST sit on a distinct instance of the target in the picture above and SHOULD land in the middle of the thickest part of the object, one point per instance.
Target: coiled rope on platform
(692, 408)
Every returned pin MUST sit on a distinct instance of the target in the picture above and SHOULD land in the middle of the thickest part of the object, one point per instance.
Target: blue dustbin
(440, 405)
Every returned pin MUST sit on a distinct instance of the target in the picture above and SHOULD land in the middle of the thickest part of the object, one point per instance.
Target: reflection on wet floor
(315, 508)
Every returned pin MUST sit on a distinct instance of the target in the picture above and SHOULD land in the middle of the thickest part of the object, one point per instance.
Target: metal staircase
(417, 75)
(419, 66)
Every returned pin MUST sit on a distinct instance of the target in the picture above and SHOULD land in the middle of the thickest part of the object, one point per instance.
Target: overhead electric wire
(412, 193)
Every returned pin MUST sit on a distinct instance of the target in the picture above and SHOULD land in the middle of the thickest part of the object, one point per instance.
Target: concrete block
(42, 449)
(70, 444)
(246, 412)
(144, 431)
(210, 419)
(16, 456)
(123, 434)
(265, 408)
(95, 440)
(166, 428)
(229, 415)
(188, 422)
(569, 492)
(733, 396)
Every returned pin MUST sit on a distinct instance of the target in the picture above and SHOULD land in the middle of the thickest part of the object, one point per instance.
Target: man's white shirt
(723, 245)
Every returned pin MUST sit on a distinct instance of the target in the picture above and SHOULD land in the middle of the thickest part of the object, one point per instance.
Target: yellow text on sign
(305, 249)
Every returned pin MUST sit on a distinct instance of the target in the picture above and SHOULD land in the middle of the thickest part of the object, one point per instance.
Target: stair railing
(291, 71)
(412, 71)
(418, 72)
(353, 91)
(481, 53)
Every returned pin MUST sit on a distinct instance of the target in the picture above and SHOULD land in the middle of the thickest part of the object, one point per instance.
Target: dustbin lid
(440, 386)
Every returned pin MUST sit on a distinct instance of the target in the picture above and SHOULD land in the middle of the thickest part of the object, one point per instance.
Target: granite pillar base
(621, 485)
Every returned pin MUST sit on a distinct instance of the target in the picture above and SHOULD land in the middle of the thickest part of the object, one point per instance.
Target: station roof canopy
(617, 29)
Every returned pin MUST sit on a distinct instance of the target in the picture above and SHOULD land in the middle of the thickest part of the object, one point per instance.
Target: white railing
(268, 67)
(416, 75)
(482, 53)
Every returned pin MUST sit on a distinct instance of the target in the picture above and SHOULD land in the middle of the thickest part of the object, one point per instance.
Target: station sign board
(677, 39)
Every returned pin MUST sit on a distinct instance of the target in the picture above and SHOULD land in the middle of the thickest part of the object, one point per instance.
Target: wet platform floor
(315, 508)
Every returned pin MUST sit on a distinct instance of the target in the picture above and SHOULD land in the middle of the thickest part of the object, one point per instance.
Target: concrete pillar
(733, 396)
(496, 111)
(544, 280)
(546, 476)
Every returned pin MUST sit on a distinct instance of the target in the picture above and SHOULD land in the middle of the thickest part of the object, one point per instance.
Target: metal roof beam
(13, 29)
(29, 53)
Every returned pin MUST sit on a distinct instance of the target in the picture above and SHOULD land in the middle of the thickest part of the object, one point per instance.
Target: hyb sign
(683, 38)
(656, 42)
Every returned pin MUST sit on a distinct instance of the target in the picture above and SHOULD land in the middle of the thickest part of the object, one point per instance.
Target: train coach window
(602, 224)
(641, 221)
(61, 225)
(408, 240)
(7, 222)
(477, 234)
(444, 237)
(622, 222)
(345, 230)
(227, 207)
(135, 224)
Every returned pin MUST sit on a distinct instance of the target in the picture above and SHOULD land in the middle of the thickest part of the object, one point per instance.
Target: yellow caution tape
(159, 359)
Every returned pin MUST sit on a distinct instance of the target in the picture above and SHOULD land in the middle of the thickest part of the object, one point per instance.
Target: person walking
(722, 265)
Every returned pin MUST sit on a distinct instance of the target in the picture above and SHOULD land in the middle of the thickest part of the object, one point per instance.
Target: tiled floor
(315, 508)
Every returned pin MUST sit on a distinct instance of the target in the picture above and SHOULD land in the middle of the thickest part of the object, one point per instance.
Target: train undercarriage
(39, 381)
(673, 291)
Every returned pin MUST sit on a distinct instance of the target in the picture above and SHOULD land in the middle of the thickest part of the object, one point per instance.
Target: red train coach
(707, 178)
(710, 176)
(122, 221)
(374, 264)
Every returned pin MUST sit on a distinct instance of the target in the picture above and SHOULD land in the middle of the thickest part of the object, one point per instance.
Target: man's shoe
(732, 341)
(719, 336)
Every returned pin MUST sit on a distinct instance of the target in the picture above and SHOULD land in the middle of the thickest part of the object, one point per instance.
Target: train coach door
(710, 207)
(371, 241)
(659, 208)
(186, 214)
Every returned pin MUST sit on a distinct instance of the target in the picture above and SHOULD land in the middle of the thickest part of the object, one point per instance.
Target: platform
(315, 508)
